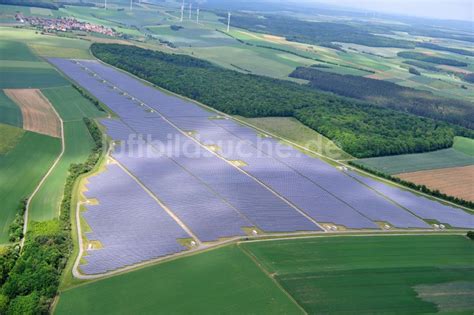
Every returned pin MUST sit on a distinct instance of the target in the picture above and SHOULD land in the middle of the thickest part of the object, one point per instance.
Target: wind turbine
(131, 5)
(197, 16)
(228, 21)
(190, 8)
(105, 4)
(182, 12)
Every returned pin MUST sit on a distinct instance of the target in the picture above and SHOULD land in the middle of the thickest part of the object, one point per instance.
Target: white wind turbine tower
(197, 16)
(131, 5)
(228, 22)
(105, 4)
(190, 10)
(182, 12)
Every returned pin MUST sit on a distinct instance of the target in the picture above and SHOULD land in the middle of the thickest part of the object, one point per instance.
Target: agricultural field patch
(41, 11)
(453, 181)
(10, 113)
(17, 78)
(47, 45)
(449, 297)
(78, 144)
(405, 163)
(464, 145)
(38, 113)
(70, 104)
(224, 280)
(360, 275)
(14, 50)
(20, 171)
(192, 35)
(10, 137)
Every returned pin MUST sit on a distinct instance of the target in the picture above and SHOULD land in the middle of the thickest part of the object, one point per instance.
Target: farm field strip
(453, 181)
(224, 280)
(344, 274)
(18, 181)
(45, 204)
(406, 163)
(319, 273)
(10, 113)
(38, 113)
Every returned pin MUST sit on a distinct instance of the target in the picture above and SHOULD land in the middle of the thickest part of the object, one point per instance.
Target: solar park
(193, 189)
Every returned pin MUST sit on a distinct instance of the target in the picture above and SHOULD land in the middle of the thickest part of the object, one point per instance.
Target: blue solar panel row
(423, 207)
(123, 206)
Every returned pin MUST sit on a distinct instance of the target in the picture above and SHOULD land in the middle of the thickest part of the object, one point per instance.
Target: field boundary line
(45, 176)
(265, 271)
(258, 238)
(340, 162)
(361, 234)
(152, 195)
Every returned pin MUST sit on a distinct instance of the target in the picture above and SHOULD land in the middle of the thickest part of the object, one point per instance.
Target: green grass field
(10, 113)
(70, 104)
(464, 145)
(14, 50)
(291, 129)
(374, 274)
(46, 203)
(26, 70)
(404, 163)
(221, 281)
(20, 171)
(47, 45)
(10, 137)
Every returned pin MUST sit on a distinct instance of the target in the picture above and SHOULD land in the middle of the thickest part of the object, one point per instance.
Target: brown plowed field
(37, 111)
(454, 181)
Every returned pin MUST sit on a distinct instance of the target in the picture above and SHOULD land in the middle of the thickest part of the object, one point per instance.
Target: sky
(440, 9)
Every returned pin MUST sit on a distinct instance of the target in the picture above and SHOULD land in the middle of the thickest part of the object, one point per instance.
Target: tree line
(359, 128)
(443, 48)
(391, 95)
(432, 59)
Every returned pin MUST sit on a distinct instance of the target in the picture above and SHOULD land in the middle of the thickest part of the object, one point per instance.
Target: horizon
(460, 10)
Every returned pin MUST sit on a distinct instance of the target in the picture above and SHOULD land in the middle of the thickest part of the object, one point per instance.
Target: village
(65, 25)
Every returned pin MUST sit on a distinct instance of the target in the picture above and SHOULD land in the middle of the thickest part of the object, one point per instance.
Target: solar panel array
(423, 207)
(274, 191)
(123, 206)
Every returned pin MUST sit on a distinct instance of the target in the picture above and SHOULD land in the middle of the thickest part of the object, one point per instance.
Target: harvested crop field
(38, 113)
(453, 181)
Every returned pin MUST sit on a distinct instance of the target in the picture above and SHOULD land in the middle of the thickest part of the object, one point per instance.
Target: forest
(318, 33)
(422, 65)
(426, 58)
(361, 129)
(391, 95)
(449, 49)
